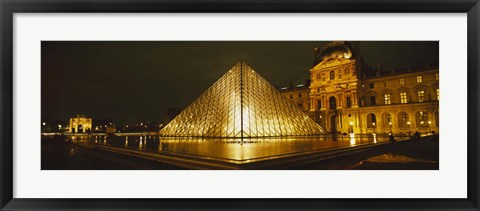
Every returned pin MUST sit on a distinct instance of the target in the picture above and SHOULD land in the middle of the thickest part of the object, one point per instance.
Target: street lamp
(43, 123)
(390, 123)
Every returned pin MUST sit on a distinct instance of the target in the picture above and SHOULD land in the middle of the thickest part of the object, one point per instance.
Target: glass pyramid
(241, 104)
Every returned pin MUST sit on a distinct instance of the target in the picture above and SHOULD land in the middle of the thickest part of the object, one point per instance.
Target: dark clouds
(139, 81)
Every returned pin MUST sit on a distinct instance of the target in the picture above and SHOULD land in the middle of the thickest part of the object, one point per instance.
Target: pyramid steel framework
(241, 104)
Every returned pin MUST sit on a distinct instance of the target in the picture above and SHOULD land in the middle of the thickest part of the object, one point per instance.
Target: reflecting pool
(226, 148)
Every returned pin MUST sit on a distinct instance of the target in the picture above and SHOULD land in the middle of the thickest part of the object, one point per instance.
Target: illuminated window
(421, 96)
(373, 100)
(387, 99)
(402, 81)
(403, 97)
(349, 102)
(332, 75)
(422, 119)
(436, 76)
(419, 79)
(438, 94)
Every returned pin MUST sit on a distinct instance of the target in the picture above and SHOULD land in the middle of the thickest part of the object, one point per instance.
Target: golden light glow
(352, 139)
(241, 104)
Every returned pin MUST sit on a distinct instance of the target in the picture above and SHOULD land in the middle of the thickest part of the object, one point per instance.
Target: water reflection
(231, 148)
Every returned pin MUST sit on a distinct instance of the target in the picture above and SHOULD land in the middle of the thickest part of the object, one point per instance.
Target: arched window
(421, 119)
(403, 119)
(333, 102)
(371, 120)
(387, 120)
(332, 75)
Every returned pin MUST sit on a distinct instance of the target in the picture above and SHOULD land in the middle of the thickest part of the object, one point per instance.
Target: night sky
(132, 82)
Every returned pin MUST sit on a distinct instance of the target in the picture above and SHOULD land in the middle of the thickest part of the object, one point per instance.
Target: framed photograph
(239, 105)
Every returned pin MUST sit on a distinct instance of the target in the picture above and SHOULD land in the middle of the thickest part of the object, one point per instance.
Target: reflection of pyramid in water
(241, 104)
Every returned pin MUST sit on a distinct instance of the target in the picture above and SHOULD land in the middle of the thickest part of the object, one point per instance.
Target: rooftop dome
(331, 50)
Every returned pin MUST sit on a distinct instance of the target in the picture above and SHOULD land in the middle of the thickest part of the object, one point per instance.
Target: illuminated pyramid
(241, 104)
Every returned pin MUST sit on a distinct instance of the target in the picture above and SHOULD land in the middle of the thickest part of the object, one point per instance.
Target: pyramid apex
(240, 62)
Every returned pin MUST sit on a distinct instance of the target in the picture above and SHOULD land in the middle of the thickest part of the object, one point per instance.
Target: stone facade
(348, 96)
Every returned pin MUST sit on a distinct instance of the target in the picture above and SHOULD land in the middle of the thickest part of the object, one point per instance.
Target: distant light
(43, 123)
(429, 122)
(300, 85)
(284, 88)
(351, 123)
(141, 123)
(59, 126)
(408, 123)
(127, 125)
(390, 123)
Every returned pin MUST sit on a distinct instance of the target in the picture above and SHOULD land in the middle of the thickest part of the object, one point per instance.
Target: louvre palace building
(345, 95)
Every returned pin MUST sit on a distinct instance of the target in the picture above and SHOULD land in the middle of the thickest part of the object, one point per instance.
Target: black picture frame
(9, 7)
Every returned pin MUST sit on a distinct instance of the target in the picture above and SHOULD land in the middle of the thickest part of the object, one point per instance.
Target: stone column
(354, 99)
